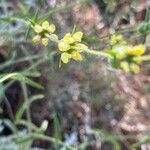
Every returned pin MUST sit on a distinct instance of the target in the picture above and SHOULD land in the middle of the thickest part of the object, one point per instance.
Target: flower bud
(125, 66)
(36, 38)
(76, 56)
(63, 46)
(38, 28)
(45, 25)
(45, 41)
(78, 36)
(51, 28)
(134, 68)
(65, 57)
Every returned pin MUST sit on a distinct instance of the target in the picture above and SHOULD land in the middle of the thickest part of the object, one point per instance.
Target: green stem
(98, 53)
(25, 93)
(142, 58)
(35, 136)
(50, 139)
(7, 64)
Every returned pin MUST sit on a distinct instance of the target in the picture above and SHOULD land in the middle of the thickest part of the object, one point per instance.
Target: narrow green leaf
(26, 105)
(20, 77)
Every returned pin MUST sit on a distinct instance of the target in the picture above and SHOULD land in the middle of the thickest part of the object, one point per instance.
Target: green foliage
(20, 77)
(26, 105)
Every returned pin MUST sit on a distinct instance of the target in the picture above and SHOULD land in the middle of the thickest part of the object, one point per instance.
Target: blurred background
(87, 104)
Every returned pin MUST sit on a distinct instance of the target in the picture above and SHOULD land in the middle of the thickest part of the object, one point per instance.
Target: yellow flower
(76, 56)
(78, 36)
(45, 41)
(139, 50)
(115, 39)
(125, 66)
(134, 68)
(68, 39)
(129, 51)
(38, 28)
(45, 25)
(120, 55)
(63, 46)
(51, 28)
(65, 57)
(136, 50)
(71, 44)
(36, 38)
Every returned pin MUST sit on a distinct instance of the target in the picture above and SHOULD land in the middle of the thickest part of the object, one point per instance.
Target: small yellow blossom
(117, 39)
(68, 39)
(129, 50)
(139, 50)
(120, 55)
(78, 36)
(134, 68)
(136, 50)
(45, 25)
(76, 56)
(48, 27)
(38, 28)
(65, 57)
(63, 46)
(71, 44)
(125, 66)
(51, 28)
(36, 38)
(45, 41)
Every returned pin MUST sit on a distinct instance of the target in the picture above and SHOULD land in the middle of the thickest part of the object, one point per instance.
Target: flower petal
(125, 66)
(78, 36)
(45, 25)
(65, 57)
(134, 68)
(68, 39)
(77, 56)
(51, 28)
(63, 46)
(45, 41)
(36, 38)
(38, 28)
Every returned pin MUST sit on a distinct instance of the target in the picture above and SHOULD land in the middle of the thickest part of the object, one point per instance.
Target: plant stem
(98, 53)
(52, 38)
(25, 93)
(28, 58)
(9, 108)
(35, 136)
(7, 64)
(142, 58)
(50, 139)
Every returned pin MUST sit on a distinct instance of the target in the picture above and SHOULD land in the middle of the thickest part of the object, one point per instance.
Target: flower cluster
(71, 47)
(117, 39)
(124, 57)
(41, 31)
(121, 55)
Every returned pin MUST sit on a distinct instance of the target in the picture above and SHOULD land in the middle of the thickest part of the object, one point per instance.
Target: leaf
(33, 22)
(26, 105)
(57, 133)
(10, 125)
(20, 77)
